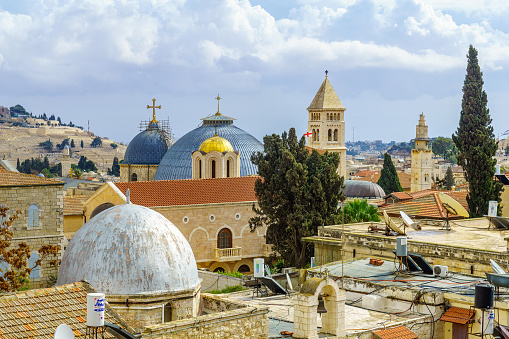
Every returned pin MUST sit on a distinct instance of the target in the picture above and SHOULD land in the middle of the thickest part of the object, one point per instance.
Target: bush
(229, 289)
(235, 274)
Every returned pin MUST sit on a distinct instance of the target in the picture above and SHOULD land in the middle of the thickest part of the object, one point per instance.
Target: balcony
(228, 254)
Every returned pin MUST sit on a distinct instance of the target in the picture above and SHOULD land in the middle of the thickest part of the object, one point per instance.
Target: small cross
(218, 98)
(326, 72)
(153, 109)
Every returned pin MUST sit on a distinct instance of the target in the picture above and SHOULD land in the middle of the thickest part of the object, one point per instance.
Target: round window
(185, 219)
(212, 217)
(237, 216)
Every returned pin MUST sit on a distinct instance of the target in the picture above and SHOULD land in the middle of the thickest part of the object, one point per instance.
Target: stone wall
(143, 172)
(234, 320)
(215, 281)
(49, 228)
(505, 201)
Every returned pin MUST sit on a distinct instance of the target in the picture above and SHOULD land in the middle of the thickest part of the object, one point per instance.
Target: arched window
(199, 166)
(134, 177)
(224, 238)
(329, 135)
(167, 313)
(228, 168)
(219, 269)
(213, 164)
(335, 135)
(244, 269)
(317, 135)
(314, 134)
(100, 208)
(33, 216)
(31, 264)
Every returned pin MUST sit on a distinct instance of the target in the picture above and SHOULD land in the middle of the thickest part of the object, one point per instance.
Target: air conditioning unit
(440, 271)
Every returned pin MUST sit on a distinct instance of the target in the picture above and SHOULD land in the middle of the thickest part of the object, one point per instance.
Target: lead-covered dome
(177, 162)
(129, 249)
(363, 189)
(148, 147)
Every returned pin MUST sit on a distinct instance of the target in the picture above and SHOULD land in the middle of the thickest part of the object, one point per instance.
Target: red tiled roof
(458, 315)
(400, 332)
(8, 178)
(404, 179)
(402, 195)
(366, 173)
(425, 205)
(38, 313)
(190, 192)
(73, 205)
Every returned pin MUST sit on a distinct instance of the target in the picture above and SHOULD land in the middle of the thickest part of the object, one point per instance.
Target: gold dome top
(216, 143)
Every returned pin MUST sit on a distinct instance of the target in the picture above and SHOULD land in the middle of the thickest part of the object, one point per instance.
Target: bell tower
(326, 124)
(422, 163)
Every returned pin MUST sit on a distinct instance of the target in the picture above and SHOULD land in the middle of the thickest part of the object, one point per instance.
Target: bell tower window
(228, 168)
(213, 165)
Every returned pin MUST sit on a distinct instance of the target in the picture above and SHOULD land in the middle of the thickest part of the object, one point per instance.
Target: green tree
(115, 168)
(475, 141)
(449, 179)
(72, 144)
(17, 110)
(358, 210)
(113, 145)
(97, 142)
(296, 193)
(507, 151)
(81, 144)
(444, 147)
(389, 179)
(46, 163)
(18, 166)
(47, 145)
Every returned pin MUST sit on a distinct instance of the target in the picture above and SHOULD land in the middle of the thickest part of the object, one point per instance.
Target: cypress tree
(389, 179)
(475, 141)
(448, 179)
(18, 166)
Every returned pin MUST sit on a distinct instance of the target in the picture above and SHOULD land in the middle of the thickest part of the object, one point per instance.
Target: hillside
(23, 143)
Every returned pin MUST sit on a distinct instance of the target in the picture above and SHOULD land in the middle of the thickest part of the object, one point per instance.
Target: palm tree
(358, 210)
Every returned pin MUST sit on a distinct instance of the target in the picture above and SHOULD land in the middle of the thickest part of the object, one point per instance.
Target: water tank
(484, 295)
(259, 266)
(95, 309)
(401, 247)
(488, 322)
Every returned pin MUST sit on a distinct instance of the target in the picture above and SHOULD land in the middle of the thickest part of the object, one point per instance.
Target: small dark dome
(363, 189)
(148, 147)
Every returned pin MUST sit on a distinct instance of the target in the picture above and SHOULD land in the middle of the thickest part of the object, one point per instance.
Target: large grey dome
(177, 164)
(129, 249)
(148, 147)
(363, 189)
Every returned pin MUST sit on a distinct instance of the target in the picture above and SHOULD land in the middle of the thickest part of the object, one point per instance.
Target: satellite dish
(452, 206)
(64, 332)
(409, 222)
(392, 225)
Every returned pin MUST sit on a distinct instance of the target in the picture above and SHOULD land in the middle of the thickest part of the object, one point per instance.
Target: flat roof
(468, 233)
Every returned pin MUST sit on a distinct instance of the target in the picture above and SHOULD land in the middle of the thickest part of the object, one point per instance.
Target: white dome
(129, 249)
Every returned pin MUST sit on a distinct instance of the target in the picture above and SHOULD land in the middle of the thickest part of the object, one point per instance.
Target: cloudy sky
(388, 60)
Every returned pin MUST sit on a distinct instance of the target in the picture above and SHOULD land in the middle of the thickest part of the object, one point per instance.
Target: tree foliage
(86, 165)
(475, 141)
(389, 180)
(115, 168)
(97, 142)
(358, 210)
(72, 143)
(296, 193)
(47, 145)
(444, 147)
(16, 258)
(82, 144)
(449, 179)
(113, 145)
(36, 166)
(17, 110)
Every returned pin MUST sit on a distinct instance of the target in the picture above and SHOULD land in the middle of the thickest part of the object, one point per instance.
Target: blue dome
(148, 147)
(177, 164)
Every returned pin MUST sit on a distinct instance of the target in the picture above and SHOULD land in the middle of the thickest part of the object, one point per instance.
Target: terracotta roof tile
(73, 205)
(8, 178)
(458, 315)
(400, 332)
(425, 205)
(190, 192)
(44, 310)
(404, 179)
(402, 195)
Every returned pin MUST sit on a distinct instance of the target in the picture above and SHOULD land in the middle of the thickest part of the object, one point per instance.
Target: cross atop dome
(218, 98)
(154, 121)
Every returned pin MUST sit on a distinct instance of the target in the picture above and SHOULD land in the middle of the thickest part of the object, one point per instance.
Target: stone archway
(305, 309)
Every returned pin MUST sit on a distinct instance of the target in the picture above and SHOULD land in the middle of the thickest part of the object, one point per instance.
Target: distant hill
(23, 143)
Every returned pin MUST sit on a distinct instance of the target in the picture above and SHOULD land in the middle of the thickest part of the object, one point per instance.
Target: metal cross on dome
(153, 109)
(218, 98)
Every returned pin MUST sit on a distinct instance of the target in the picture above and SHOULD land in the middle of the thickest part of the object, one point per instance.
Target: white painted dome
(129, 249)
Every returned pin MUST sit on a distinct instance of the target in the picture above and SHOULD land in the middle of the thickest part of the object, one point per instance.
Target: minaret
(327, 123)
(422, 164)
(66, 162)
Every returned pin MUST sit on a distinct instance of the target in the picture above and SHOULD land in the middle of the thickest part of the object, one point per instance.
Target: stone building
(327, 123)
(140, 260)
(41, 221)
(422, 162)
(66, 162)
(216, 158)
(213, 215)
